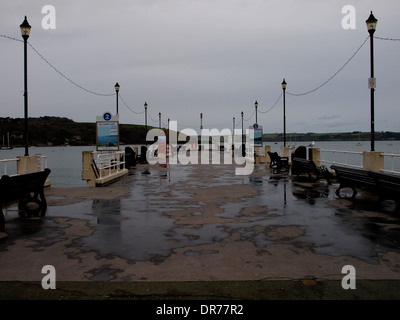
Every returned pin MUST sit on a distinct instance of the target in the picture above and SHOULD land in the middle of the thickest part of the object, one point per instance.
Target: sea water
(66, 162)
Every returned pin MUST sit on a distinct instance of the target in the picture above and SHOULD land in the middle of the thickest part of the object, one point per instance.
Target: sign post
(371, 83)
(107, 132)
(256, 135)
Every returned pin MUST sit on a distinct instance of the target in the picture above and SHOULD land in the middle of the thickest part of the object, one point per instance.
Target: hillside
(60, 131)
(45, 131)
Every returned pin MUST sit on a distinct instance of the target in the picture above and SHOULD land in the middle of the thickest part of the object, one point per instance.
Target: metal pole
(284, 117)
(243, 150)
(117, 101)
(145, 121)
(371, 32)
(26, 95)
(256, 105)
(233, 135)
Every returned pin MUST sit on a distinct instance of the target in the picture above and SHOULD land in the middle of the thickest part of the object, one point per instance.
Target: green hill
(61, 131)
(45, 131)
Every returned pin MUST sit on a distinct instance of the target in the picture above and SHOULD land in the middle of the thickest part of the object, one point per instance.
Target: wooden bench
(278, 161)
(300, 165)
(27, 189)
(353, 178)
(388, 187)
(385, 185)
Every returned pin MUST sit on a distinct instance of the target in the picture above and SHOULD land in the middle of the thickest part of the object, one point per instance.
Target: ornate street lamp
(243, 148)
(284, 84)
(145, 120)
(116, 93)
(159, 120)
(256, 105)
(371, 27)
(233, 135)
(25, 31)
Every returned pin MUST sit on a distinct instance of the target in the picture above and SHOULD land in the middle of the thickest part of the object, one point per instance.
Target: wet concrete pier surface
(200, 231)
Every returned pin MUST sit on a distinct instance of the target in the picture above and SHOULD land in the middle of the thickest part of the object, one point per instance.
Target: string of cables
(250, 116)
(10, 38)
(325, 82)
(126, 105)
(69, 79)
(129, 108)
(389, 39)
(273, 106)
(346, 63)
(151, 118)
(334, 75)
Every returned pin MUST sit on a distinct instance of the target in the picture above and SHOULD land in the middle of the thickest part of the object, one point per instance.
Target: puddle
(146, 224)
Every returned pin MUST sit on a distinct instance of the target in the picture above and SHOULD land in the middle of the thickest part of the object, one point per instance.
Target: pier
(242, 220)
(176, 231)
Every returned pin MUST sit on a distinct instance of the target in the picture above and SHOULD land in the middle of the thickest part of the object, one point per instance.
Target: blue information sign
(107, 116)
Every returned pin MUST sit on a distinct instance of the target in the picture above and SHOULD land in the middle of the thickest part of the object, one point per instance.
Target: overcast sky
(216, 57)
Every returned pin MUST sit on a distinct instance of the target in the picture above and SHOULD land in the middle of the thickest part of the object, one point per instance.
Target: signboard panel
(256, 136)
(107, 135)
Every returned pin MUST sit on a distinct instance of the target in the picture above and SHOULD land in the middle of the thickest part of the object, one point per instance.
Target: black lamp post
(371, 26)
(25, 31)
(145, 120)
(256, 105)
(243, 151)
(116, 93)
(233, 134)
(159, 120)
(284, 112)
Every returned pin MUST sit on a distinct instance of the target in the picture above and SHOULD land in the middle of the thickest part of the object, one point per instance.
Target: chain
(334, 75)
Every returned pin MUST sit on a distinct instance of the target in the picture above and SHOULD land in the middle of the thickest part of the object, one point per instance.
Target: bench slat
(301, 165)
(19, 187)
(385, 185)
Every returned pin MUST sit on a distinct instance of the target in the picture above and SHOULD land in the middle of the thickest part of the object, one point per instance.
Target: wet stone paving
(203, 222)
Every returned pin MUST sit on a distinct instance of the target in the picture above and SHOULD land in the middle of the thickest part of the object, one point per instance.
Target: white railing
(109, 163)
(389, 157)
(390, 165)
(42, 162)
(41, 165)
(250, 153)
(344, 159)
(5, 162)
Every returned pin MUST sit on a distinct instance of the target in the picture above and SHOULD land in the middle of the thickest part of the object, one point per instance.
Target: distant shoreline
(57, 131)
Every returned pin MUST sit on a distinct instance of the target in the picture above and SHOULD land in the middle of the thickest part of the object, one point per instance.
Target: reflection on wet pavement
(187, 206)
(208, 223)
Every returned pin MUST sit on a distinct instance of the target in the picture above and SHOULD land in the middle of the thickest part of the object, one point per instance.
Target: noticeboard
(107, 135)
(256, 136)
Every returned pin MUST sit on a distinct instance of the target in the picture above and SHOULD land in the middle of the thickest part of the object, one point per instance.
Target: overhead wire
(389, 39)
(273, 106)
(263, 112)
(67, 78)
(334, 75)
(126, 105)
